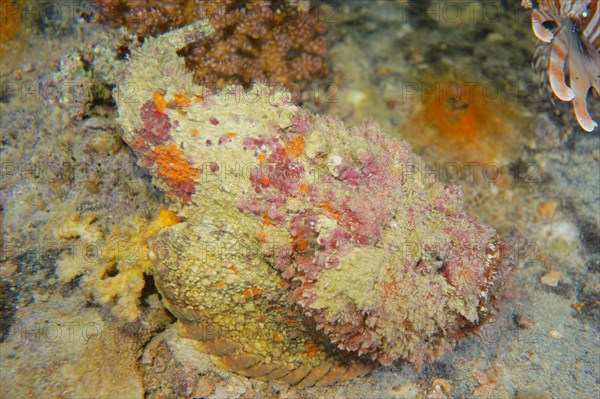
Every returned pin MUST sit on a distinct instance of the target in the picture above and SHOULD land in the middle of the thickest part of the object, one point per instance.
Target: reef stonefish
(307, 252)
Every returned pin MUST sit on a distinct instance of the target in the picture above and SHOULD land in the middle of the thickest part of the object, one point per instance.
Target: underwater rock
(308, 252)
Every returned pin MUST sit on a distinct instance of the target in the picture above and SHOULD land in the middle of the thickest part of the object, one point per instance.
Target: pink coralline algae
(309, 252)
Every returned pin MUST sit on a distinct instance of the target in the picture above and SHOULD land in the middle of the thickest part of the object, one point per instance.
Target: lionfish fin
(582, 114)
(583, 70)
(537, 20)
(556, 70)
(575, 45)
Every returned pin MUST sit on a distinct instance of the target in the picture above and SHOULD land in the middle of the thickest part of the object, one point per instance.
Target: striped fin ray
(556, 70)
(591, 25)
(537, 24)
(584, 68)
(574, 50)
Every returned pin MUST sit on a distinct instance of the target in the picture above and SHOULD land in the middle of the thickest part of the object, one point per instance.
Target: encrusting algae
(304, 251)
(461, 121)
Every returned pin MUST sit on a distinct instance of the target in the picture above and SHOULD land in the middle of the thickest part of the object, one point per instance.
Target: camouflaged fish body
(308, 252)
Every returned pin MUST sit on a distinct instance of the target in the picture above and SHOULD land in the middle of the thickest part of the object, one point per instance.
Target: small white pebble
(494, 37)
(551, 278)
(554, 334)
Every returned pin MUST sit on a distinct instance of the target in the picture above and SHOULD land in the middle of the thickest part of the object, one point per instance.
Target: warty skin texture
(308, 252)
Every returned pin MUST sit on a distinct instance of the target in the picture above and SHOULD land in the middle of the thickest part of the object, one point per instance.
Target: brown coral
(281, 41)
(10, 22)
